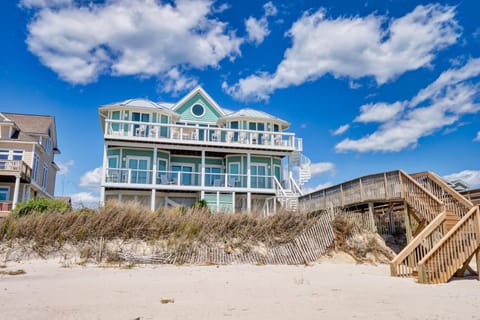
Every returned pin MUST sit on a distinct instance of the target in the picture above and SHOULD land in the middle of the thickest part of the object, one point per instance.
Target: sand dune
(327, 290)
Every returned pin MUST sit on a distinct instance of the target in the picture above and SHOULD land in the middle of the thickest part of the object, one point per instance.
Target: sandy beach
(52, 290)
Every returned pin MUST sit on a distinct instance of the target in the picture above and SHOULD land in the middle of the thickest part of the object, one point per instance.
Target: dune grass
(131, 221)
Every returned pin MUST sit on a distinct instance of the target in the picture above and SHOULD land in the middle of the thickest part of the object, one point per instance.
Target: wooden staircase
(447, 234)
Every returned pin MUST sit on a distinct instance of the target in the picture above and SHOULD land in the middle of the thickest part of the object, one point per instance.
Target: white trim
(201, 104)
(117, 157)
(205, 95)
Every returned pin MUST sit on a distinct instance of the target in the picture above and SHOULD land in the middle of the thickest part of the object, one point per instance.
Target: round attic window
(198, 110)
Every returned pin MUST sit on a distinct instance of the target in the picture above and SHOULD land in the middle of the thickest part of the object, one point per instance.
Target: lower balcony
(181, 180)
(15, 168)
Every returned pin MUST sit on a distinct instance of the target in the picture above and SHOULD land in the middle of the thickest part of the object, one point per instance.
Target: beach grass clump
(129, 221)
(41, 205)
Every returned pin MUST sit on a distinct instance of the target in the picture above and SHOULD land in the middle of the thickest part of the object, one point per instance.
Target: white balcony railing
(202, 135)
(187, 179)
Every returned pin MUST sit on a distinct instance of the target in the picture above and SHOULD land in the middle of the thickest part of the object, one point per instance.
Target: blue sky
(369, 85)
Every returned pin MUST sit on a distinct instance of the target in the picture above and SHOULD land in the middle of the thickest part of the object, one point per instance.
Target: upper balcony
(15, 168)
(203, 136)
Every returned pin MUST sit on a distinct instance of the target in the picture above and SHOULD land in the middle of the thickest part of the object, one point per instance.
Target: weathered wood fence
(306, 248)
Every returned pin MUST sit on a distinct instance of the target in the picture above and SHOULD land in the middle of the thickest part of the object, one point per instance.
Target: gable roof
(199, 90)
(31, 126)
(248, 113)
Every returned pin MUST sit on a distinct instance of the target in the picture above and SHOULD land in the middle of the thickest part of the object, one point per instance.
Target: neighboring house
(28, 144)
(162, 154)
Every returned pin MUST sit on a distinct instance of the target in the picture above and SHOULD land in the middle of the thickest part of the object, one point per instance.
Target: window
(4, 154)
(213, 176)
(183, 172)
(35, 168)
(17, 155)
(44, 176)
(198, 110)
(139, 169)
(4, 193)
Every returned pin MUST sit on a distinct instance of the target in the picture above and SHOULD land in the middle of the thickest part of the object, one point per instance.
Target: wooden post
(408, 226)
(478, 263)
(370, 216)
(361, 190)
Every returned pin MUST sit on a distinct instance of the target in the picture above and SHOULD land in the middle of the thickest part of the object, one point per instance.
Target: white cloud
(321, 167)
(471, 177)
(321, 186)
(340, 130)
(355, 47)
(129, 37)
(257, 29)
(478, 137)
(379, 112)
(440, 104)
(85, 199)
(175, 82)
(64, 167)
(270, 9)
(92, 179)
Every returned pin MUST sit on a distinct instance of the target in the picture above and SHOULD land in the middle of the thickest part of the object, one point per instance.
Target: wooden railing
(376, 187)
(15, 168)
(472, 195)
(453, 201)
(455, 248)
(425, 204)
(406, 262)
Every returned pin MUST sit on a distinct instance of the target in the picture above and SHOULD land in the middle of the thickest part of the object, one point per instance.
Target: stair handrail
(454, 193)
(412, 202)
(398, 265)
(473, 213)
(295, 185)
(278, 186)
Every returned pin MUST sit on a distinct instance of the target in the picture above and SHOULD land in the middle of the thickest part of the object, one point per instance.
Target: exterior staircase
(447, 235)
(442, 226)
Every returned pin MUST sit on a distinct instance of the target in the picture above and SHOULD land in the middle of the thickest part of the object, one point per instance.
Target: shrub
(200, 204)
(41, 205)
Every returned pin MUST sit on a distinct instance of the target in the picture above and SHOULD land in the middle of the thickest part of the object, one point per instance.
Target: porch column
(202, 175)
(154, 166)
(249, 184)
(152, 201)
(102, 181)
(15, 192)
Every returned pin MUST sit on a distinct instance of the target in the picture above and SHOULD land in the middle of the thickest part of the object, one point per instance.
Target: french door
(258, 173)
(138, 169)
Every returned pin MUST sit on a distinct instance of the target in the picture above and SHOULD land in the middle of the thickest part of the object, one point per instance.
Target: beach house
(168, 154)
(28, 145)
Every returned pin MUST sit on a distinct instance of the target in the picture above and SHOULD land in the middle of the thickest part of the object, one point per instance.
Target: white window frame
(20, 151)
(148, 170)
(44, 175)
(36, 161)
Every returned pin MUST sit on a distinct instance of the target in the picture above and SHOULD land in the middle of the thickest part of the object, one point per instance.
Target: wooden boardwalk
(441, 225)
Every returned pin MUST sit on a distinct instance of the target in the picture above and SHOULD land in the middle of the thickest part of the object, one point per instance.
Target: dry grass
(12, 272)
(179, 226)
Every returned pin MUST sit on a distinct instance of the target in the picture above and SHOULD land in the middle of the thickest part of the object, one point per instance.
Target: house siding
(211, 114)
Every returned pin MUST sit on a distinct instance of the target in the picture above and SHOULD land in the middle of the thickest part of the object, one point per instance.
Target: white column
(202, 175)
(15, 192)
(202, 169)
(105, 163)
(154, 166)
(249, 184)
(152, 200)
